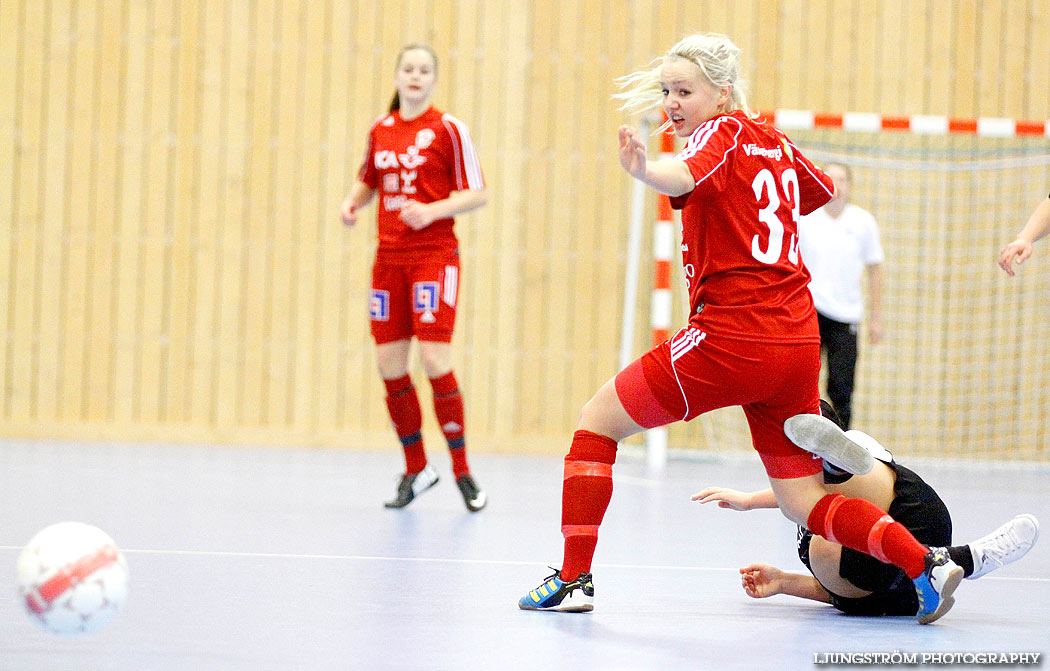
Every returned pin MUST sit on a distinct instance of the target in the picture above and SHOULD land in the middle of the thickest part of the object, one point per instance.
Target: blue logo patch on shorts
(425, 296)
(425, 300)
(379, 305)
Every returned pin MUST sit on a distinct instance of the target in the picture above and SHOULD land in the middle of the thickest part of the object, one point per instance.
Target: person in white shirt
(839, 243)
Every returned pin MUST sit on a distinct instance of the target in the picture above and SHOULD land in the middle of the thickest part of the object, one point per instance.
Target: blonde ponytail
(716, 56)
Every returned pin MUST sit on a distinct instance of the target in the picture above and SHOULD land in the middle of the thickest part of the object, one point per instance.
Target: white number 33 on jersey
(765, 188)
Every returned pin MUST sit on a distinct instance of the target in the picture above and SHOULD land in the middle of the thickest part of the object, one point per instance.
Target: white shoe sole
(951, 583)
(824, 438)
(566, 606)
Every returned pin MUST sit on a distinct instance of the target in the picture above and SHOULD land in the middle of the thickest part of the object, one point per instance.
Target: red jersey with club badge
(424, 160)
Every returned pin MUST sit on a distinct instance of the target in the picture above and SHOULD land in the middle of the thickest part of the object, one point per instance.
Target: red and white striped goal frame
(919, 124)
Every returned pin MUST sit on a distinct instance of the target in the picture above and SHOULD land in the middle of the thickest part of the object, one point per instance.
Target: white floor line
(444, 560)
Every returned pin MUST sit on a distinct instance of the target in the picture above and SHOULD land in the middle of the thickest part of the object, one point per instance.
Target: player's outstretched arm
(669, 176)
(736, 500)
(762, 580)
(1020, 249)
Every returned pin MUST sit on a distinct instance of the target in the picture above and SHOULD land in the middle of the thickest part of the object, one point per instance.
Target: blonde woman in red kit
(752, 339)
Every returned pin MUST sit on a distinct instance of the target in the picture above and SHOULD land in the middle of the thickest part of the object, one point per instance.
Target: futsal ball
(72, 577)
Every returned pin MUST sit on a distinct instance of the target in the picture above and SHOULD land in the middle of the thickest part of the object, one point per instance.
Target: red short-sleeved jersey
(740, 230)
(424, 160)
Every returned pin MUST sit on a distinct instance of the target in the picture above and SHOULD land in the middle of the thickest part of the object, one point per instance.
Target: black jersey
(918, 507)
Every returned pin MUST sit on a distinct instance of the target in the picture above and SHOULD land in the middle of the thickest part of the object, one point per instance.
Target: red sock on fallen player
(862, 526)
(586, 492)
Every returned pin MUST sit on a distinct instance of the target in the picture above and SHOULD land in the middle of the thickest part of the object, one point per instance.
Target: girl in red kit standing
(423, 167)
(752, 339)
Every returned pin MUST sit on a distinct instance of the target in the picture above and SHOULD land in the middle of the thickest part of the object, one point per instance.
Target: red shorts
(695, 372)
(415, 299)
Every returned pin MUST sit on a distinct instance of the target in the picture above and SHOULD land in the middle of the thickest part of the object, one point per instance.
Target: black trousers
(839, 342)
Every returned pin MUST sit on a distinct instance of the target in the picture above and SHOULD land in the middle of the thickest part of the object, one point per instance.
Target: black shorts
(922, 512)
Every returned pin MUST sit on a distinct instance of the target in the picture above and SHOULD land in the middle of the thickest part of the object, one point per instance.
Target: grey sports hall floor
(266, 558)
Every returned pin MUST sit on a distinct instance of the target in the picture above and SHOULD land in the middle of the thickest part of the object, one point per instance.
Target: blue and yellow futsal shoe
(575, 596)
(936, 585)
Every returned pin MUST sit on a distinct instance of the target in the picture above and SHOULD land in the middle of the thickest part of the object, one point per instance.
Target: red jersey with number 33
(424, 160)
(740, 230)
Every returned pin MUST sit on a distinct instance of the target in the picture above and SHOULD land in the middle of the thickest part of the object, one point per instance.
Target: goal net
(963, 367)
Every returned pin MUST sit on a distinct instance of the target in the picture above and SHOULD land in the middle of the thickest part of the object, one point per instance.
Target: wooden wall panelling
(336, 177)
(173, 161)
(99, 212)
(839, 65)
(311, 215)
(939, 43)
(819, 55)
(368, 90)
(611, 218)
(536, 183)
(54, 212)
(209, 219)
(582, 325)
(867, 33)
(495, 289)
(765, 47)
(284, 201)
(914, 63)
(255, 314)
(689, 18)
(156, 213)
(1037, 73)
(988, 59)
(890, 66)
(793, 55)
(184, 228)
(442, 25)
(716, 16)
(390, 31)
(24, 305)
(11, 46)
(562, 233)
(234, 236)
(475, 90)
(414, 20)
(964, 56)
(1010, 42)
(506, 212)
(127, 378)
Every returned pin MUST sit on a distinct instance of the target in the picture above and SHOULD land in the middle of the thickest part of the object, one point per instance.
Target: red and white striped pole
(660, 311)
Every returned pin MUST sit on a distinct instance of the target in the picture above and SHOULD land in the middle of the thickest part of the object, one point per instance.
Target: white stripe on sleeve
(466, 155)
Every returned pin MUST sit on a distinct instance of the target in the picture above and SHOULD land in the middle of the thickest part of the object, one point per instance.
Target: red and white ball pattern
(72, 577)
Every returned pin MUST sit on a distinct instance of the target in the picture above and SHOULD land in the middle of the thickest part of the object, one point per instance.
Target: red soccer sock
(448, 406)
(586, 492)
(864, 527)
(403, 405)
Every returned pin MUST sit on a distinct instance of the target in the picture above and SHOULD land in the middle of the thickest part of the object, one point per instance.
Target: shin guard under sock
(403, 405)
(862, 526)
(586, 492)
